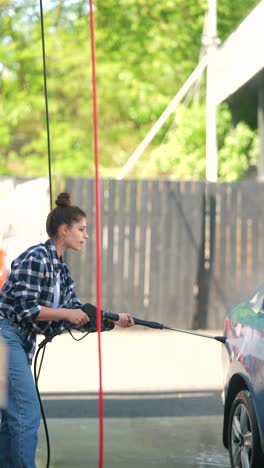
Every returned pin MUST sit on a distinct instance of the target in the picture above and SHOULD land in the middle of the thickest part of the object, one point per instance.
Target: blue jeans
(20, 419)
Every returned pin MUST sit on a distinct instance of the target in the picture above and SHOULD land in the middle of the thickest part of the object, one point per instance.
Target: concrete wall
(24, 205)
(241, 56)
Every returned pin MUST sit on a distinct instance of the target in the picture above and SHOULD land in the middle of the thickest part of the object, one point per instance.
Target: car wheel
(243, 434)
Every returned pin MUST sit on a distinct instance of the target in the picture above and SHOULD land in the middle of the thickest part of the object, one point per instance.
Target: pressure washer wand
(222, 339)
(146, 323)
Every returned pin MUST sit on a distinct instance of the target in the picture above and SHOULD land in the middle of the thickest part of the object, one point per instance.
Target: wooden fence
(181, 253)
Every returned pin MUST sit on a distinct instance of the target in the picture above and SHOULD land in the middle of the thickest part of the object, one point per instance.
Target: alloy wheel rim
(241, 437)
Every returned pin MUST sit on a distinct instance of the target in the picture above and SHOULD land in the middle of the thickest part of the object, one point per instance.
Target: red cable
(98, 250)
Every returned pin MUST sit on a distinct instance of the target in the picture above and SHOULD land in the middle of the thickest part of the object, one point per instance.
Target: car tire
(243, 434)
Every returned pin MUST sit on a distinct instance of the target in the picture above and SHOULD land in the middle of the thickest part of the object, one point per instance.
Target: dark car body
(243, 390)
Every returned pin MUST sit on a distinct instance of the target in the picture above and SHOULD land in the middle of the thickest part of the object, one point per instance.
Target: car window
(257, 301)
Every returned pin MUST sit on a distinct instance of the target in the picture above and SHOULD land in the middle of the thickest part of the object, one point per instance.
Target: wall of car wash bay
(182, 253)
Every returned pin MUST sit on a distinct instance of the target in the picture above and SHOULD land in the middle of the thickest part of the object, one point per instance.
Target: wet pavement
(162, 402)
(157, 438)
(167, 442)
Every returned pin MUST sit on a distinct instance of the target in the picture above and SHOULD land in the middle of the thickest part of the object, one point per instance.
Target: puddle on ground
(207, 459)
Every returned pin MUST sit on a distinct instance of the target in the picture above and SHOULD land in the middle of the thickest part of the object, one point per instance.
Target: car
(243, 382)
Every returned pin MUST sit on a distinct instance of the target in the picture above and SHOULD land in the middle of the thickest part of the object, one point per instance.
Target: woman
(38, 296)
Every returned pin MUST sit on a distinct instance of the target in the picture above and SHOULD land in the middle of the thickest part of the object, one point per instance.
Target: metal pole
(210, 41)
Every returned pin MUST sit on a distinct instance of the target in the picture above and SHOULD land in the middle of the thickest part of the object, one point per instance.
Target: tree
(182, 155)
(145, 51)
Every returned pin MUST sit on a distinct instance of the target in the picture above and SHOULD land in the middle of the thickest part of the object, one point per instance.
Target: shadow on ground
(134, 405)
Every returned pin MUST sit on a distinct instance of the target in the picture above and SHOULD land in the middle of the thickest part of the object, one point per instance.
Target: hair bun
(63, 200)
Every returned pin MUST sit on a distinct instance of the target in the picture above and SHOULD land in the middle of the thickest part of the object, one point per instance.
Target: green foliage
(239, 153)
(145, 51)
(182, 155)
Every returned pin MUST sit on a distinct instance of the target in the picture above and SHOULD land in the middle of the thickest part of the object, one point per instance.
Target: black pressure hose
(36, 377)
(42, 346)
(91, 311)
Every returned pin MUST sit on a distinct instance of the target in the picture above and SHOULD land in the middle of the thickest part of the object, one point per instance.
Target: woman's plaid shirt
(30, 285)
